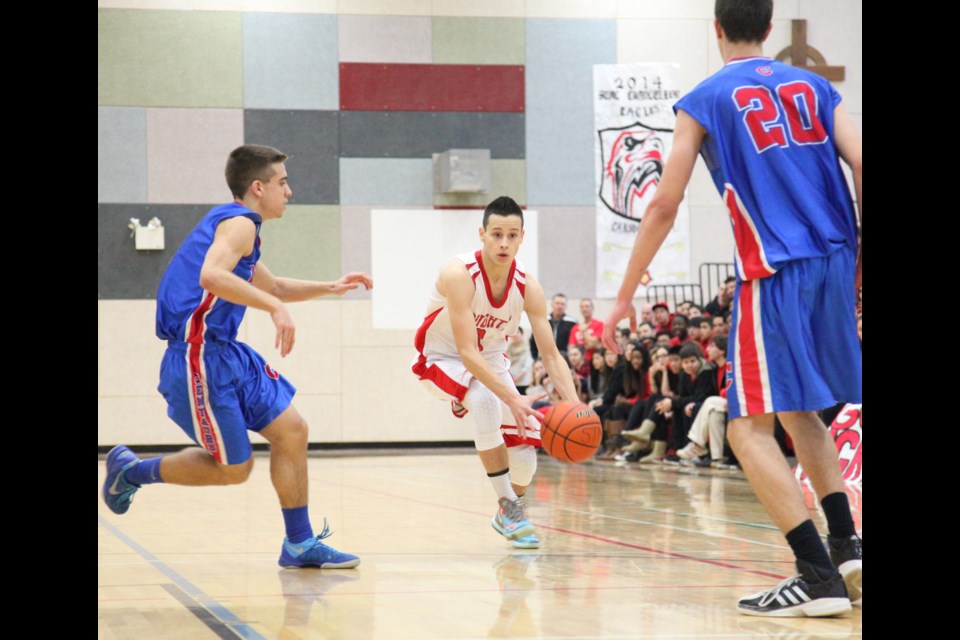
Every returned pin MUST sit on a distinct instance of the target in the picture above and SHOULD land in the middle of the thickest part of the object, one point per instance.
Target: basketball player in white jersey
(475, 304)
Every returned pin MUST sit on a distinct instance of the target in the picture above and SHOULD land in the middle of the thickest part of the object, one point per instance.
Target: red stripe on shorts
(748, 359)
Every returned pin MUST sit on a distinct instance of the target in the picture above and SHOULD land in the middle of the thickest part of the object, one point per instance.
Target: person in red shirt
(587, 334)
(661, 317)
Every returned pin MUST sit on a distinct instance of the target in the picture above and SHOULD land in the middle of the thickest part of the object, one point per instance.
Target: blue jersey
(185, 311)
(770, 150)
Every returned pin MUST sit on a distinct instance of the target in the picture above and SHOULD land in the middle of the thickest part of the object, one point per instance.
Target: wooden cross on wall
(799, 52)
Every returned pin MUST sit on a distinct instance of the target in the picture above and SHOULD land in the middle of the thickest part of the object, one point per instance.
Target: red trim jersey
(495, 319)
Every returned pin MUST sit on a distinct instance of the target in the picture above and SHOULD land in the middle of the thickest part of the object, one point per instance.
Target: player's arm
(535, 304)
(293, 290)
(658, 218)
(233, 240)
(850, 148)
(455, 284)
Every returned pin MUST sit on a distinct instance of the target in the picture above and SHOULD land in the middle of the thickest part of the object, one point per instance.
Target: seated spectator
(664, 338)
(683, 309)
(695, 311)
(521, 362)
(661, 317)
(646, 313)
(578, 365)
(634, 387)
(599, 378)
(719, 325)
(706, 334)
(645, 424)
(710, 424)
(678, 331)
(698, 382)
(724, 300)
(645, 330)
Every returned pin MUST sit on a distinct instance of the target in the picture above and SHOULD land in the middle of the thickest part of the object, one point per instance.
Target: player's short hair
(503, 206)
(720, 342)
(744, 20)
(690, 350)
(248, 163)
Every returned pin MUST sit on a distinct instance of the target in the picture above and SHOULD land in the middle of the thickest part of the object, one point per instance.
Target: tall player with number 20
(772, 136)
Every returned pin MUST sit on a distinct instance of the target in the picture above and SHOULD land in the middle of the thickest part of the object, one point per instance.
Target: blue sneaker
(117, 491)
(511, 522)
(313, 553)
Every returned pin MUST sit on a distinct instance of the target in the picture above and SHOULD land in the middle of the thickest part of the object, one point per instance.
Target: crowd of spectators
(664, 400)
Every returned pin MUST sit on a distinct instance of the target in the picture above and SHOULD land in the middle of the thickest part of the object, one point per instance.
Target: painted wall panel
(478, 41)
(384, 38)
(411, 134)
(121, 154)
(290, 61)
(379, 181)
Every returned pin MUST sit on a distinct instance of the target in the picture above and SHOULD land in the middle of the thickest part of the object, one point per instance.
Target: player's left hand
(620, 311)
(351, 281)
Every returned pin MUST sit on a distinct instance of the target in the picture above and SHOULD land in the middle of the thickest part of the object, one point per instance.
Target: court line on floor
(742, 523)
(663, 511)
(594, 514)
(581, 534)
(227, 617)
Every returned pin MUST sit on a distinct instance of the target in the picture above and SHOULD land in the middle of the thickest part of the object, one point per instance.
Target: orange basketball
(571, 432)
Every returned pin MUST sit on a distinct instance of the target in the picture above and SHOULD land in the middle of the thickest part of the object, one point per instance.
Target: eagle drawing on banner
(632, 159)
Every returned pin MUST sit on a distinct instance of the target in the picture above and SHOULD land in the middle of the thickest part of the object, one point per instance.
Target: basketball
(571, 432)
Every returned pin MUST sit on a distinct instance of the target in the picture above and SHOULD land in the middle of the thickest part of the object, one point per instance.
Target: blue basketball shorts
(218, 391)
(793, 339)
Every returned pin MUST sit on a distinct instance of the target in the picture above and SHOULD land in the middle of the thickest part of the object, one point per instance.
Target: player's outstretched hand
(620, 311)
(351, 281)
(522, 410)
(286, 331)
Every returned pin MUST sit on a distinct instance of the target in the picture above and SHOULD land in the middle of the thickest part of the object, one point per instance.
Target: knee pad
(523, 464)
(487, 415)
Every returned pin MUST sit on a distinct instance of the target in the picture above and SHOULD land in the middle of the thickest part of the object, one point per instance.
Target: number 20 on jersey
(769, 117)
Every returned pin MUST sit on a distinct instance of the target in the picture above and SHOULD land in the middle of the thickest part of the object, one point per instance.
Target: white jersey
(495, 319)
(438, 364)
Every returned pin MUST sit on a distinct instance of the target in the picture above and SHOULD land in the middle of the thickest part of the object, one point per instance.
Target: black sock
(807, 546)
(836, 507)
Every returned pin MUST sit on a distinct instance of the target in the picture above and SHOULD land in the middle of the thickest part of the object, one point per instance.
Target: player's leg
(819, 589)
(817, 453)
(523, 466)
(266, 399)
(488, 439)
(206, 408)
(768, 341)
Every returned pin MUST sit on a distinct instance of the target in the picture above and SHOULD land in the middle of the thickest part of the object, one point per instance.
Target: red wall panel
(431, 87)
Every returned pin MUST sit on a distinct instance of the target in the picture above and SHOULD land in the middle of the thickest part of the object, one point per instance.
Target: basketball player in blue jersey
(772, 136)
(217, 388)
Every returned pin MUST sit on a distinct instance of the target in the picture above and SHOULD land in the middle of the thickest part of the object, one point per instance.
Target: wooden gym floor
(627, 552)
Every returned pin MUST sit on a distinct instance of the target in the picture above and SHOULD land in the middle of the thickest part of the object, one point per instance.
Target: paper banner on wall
(634, 121)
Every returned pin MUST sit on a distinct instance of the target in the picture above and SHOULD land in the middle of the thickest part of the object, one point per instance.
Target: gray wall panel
(410, 134)
(568, 252)
(559, 75)
(311, 139)
(121, 154)
(380, 181)
(123, 272)
(290, 61)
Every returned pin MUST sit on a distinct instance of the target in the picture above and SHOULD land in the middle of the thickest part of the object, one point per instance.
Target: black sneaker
(847, 557)
(808, 594)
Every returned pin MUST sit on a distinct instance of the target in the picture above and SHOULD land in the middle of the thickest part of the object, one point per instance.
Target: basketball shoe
(511, 522)
(313, 553)
(847, 557)
(117, 491)
(808, 594)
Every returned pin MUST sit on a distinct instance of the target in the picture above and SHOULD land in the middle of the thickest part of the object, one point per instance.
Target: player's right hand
(522, 410)
(286, 331)
(620, 311)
